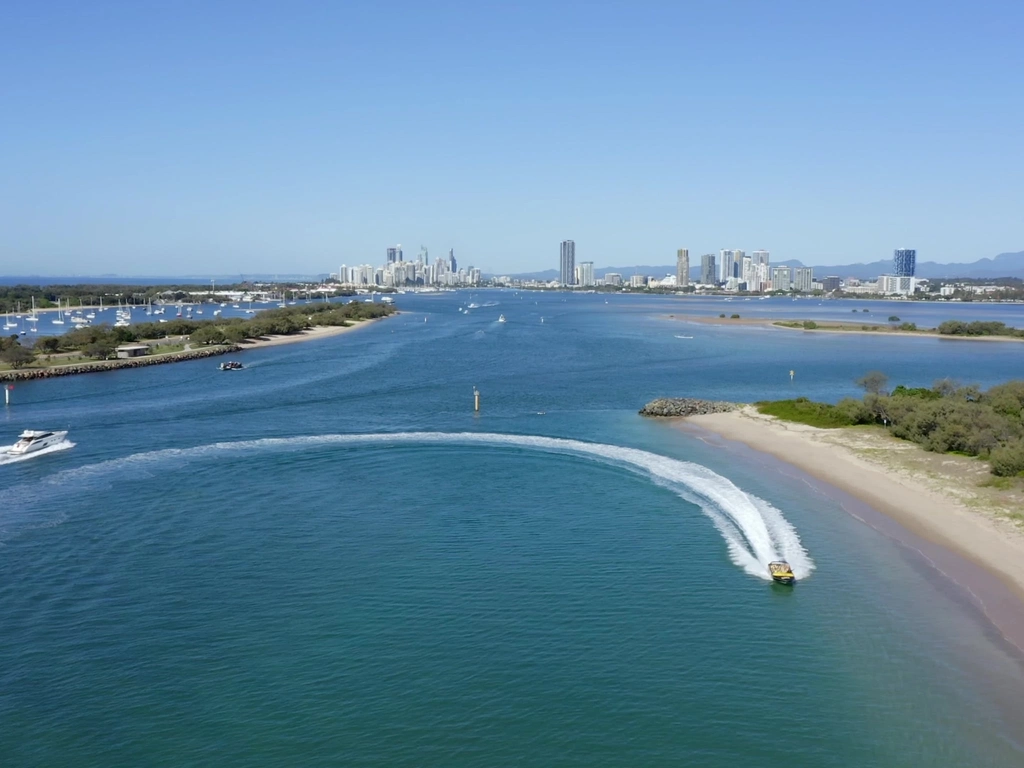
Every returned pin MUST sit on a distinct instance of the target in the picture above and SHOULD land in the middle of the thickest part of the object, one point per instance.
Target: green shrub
(810, 325)
(734, 317)
(920, 392)
(1008, 459)
(893, 319)
(805, 411)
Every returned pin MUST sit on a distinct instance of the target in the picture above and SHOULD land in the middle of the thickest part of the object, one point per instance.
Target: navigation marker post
(7, 394)
(476, 400)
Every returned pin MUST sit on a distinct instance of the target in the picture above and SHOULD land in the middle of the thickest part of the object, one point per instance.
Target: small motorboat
(231, 365)
(32, 440)
(781, 572)
(501, 319)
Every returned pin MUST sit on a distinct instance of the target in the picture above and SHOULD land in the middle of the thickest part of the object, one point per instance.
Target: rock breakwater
(678, 407)
(27, 374)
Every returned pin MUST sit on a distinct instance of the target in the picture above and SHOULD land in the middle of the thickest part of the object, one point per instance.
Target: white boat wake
(754, 531)
(6, 458)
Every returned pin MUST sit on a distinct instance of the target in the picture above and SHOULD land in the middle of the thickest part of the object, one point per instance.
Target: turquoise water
(277, 567)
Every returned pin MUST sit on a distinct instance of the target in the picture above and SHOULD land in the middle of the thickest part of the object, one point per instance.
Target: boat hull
(787, 580)
(37, 445)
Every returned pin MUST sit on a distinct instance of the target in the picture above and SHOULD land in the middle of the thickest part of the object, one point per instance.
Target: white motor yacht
(501, 318)
(32, 440)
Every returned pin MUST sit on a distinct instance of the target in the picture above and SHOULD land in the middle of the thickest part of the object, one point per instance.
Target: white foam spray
(754, 531)
(6, 458)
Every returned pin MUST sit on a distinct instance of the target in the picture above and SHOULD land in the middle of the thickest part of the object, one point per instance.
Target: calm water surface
(222, 571)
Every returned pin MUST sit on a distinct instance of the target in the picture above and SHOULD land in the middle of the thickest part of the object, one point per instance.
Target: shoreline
(929, 496)
(775, 324)
(100, 366)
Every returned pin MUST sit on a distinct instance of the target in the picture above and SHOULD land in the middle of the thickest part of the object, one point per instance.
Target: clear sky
(225, 137)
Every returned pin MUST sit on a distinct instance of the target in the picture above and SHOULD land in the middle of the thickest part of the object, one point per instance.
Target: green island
(957, 328)
(946, 418)
(94, 347)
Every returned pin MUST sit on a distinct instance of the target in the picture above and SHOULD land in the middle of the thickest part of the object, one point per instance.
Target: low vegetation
(947, 418)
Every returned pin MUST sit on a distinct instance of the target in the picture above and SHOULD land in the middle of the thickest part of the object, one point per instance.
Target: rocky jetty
(677, 407)
(26, 374)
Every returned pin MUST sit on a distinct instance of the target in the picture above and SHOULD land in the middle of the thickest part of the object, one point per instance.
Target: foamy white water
(754, 531)
(6, 458)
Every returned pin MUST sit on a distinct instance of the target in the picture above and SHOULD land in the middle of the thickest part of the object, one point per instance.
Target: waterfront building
(904, 262)
(613, 278)
(803, 279)
(896, 285)
(637, 281)
(760, 257)
(830, 283)
(394, 254)
(782, 278)
(682, 267)
(567, 264)
(707, 269)
(585, 274)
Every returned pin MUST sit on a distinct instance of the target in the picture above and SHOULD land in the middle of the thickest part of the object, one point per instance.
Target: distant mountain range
(1003, 265)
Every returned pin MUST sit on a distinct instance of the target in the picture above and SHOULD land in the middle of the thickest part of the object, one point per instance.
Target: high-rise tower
(567, 263)
(707, 269)
(904, 262)
(682, 267)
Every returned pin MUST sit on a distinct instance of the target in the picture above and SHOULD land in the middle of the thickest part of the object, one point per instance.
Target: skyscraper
(803, 279)
(452, 264)
(585, 274)
(394, 254)
(904, 262)
(567, 274)
(725, 264)
(782, 278)
(760, 257)
(732, 263)
(707, 269)
(682, 267)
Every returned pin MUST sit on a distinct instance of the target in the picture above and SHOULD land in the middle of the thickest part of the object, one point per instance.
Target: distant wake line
(755, 532)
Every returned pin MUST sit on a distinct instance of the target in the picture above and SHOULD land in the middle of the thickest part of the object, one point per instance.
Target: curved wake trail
(755, 532)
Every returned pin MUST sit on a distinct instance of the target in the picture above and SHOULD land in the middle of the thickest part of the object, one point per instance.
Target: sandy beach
(946, 500)
(316, 332)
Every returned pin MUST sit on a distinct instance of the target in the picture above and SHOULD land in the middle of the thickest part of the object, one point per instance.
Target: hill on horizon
(1003, 265)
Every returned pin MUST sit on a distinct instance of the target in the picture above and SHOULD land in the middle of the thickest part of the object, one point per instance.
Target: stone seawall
(678, 407)
(27, 374)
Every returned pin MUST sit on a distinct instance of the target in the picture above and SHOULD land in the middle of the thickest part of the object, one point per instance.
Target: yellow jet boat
(781, 572)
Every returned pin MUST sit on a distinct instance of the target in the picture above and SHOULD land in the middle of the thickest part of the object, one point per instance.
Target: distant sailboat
(59, 320)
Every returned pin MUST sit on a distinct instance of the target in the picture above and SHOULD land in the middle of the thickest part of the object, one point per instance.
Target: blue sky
(223, 138)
